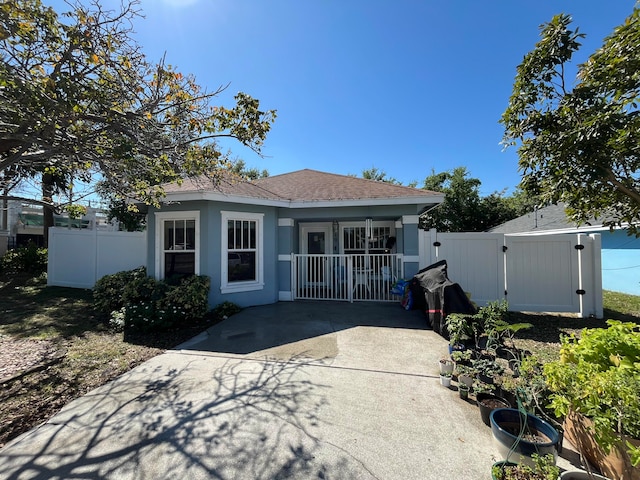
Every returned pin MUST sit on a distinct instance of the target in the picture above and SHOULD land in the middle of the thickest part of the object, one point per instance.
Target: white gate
(541, 273)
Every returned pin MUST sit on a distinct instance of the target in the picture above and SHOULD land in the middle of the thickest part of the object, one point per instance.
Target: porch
(346, 277)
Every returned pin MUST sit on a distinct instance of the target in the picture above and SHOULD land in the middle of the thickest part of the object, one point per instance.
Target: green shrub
(138, 302)
(598, 375)
(31, 259)
(108, 291)
(225, 310)
(189, 299)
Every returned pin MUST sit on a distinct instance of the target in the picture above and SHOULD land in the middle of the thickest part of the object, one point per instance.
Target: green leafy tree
(464, 209)
(79, 99)
(379, 176)
(460, 209)
(239, 167)
(578, 140)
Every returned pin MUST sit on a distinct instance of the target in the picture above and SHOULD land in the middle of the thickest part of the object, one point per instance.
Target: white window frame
(375, 224)
(161, 217)
(248, 286)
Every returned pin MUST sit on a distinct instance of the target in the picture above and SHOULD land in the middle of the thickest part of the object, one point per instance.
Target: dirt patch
(21, 355)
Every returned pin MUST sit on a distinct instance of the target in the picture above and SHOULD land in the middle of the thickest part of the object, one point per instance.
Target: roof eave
(420, 202)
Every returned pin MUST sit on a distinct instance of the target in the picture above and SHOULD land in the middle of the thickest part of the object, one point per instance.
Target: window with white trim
(177, 244)
(241, 260)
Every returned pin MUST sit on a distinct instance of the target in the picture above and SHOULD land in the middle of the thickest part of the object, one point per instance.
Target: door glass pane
(315, 242)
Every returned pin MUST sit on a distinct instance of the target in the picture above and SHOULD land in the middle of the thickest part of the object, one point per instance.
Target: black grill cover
(432, 291)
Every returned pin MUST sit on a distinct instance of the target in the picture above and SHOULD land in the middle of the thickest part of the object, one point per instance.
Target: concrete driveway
(297, 390)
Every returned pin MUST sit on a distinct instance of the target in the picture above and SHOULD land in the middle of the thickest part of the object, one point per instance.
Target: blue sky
(405, 86)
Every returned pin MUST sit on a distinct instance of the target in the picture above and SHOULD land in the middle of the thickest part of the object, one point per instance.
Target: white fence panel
(78, 258)
(475, 261)
(542, 273)
(119, 251)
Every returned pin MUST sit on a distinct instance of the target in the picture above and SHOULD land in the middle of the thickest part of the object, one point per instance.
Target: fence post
(596, 263)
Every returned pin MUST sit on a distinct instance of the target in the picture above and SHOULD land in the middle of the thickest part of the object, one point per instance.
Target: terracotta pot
(617, 464)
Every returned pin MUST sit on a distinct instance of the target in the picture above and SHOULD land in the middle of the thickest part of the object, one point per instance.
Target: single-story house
(305, 234)
(620, 252)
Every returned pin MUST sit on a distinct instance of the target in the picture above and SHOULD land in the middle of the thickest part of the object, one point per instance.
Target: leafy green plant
(598, 375)
(189, 299)
(462, 356)
(136, 301)
(75, 211)
(544, 468)
(487, 367)
(32, 259)
(481, 387)
(459, 328)
(108, 290)
(127, 214)
(225, 310)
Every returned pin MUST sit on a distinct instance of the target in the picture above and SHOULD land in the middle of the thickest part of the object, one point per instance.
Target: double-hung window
(242, 255)
(177, 244)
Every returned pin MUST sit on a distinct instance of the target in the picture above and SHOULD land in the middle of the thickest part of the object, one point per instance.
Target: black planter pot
(485, 378)
(537, 436)
(501, 464)
(487, 402)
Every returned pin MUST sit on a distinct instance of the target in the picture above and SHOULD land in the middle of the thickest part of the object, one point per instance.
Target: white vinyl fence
(78, 258)
(551, 273)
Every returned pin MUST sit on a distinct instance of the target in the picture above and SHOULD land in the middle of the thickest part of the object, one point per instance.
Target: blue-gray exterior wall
(279, 242)
(620, 262)
(211, 247)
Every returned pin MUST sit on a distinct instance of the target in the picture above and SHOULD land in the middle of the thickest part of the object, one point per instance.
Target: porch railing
(346, 277)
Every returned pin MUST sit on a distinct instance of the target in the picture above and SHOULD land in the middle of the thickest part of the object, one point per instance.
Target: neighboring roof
(545, 219)
(303, 188)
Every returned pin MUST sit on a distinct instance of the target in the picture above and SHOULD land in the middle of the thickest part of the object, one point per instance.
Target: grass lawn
(543, 339)
(60, 330)
(58, 327)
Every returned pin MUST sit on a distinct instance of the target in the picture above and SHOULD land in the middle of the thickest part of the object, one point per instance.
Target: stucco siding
(620, 262)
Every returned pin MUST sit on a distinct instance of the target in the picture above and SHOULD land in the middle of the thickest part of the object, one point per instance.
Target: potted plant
(543, 468)
(462, 357)
(487, 369)
(446, 365)
(522, 434)
(460, 330)
(465, 375)
(463, 391)
(595, 387)
(445, 379)
(487, 402)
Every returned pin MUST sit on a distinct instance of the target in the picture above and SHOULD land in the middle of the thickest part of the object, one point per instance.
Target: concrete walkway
(298, 390)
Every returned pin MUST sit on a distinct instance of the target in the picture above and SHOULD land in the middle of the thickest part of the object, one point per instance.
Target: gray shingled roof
(552, 217)
(305, 186)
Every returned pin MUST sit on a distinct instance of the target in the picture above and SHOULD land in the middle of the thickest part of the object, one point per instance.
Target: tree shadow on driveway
(194, 418)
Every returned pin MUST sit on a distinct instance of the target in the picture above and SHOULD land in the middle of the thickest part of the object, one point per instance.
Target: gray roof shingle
(305, 186)
(551, 217)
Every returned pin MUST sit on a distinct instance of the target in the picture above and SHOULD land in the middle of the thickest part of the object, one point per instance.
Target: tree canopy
(464, 209)
(579, 141)
(79, 100)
